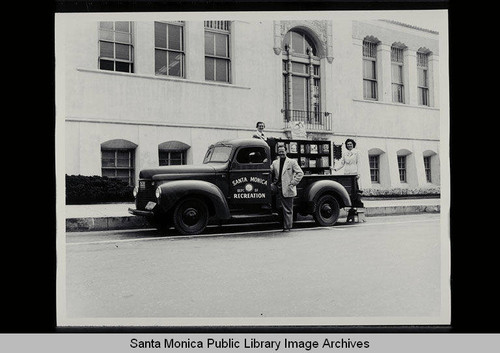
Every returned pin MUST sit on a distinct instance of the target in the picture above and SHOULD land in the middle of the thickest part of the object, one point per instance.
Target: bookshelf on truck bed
(313, 156)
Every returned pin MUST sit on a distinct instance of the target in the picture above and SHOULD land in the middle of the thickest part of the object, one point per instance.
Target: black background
(29, 222)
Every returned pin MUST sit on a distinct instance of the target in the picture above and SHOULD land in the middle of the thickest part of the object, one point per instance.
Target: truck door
(250, 177)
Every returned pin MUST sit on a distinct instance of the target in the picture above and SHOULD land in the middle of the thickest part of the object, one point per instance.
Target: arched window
(405, 165)
(172, 153)
(370, 87)
(397, 62)
(118, 160)
(301, 77)
(431, 166)
(423, 76)
(374, 156)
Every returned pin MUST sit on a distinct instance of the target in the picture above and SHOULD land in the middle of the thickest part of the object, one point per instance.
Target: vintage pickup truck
(233, 185)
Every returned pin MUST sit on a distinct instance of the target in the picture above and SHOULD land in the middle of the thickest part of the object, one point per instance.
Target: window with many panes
(369, 70)
(169, 49)
(402, 168)
(301, 77)
(172, 157)
(217, 51)
(427, 168)
(423, 78)
(374, 168)
(116, 52)
(397, 75)
(118, 164)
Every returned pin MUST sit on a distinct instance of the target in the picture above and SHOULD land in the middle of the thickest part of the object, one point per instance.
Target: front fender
(173, 191)
(321, 187)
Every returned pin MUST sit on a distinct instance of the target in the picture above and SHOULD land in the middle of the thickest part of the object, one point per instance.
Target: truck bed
(347, 181)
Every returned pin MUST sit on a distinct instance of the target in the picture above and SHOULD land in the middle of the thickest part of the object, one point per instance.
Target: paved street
(387, 267)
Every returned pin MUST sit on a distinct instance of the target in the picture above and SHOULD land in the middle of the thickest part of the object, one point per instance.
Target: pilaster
(411, 64)
(434, 80)
(392, 168)
(384, 78)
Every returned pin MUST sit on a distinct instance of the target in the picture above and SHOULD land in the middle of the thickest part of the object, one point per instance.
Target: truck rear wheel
(191, 216)
(327, 211)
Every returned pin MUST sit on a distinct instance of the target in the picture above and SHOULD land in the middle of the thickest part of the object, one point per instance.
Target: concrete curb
(105, 223)
(90, 224)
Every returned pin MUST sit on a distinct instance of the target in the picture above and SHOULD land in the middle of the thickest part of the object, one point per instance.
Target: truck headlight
(136, 190)
(158, 192)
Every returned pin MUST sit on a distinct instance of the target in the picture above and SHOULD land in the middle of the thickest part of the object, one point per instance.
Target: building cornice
(410, 26)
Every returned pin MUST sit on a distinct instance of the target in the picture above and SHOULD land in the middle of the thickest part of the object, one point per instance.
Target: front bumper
(144, 213)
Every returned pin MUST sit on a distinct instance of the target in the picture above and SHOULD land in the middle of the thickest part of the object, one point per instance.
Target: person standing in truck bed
(349, 161)
(286, 175)
(259, 134)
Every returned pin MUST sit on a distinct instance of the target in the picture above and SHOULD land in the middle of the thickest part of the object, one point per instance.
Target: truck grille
(146, 193)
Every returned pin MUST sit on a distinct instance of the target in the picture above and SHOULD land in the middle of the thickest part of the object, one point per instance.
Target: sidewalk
(115, 216)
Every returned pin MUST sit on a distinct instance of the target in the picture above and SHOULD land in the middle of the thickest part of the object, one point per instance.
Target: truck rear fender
(173, 191)
(322, 187)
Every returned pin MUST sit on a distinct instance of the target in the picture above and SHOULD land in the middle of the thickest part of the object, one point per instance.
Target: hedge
(96, 189)
(433, 191)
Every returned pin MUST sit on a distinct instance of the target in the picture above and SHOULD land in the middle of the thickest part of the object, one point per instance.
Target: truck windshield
(217, 154)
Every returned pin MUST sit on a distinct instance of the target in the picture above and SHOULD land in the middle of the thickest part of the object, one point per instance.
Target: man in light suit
(286, 174)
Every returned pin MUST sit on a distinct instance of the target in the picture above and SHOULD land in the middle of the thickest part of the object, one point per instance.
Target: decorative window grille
(375, 168)
(115, 46)
(402, 168)
(397, 75)
(423, 78)
(169, 49)
(217, 51)
(369, 70)
(118, 164)
(218, 25)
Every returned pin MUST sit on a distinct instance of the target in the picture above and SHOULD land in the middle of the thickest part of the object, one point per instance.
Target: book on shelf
(313, 149)
(302, 149)
(324, 148)
(312, 163)
(304, 162)
(278, 144)
(293, 147)
(325, 161)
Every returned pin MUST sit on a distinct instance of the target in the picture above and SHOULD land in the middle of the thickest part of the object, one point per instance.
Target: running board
(259, 217)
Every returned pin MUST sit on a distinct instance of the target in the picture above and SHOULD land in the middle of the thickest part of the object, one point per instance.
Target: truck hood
(168, 172)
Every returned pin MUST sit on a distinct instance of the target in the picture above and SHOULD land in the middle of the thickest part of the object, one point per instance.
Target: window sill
(162, 78)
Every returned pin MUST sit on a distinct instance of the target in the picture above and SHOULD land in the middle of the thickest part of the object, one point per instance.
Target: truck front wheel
(191, 216)
(327, 211)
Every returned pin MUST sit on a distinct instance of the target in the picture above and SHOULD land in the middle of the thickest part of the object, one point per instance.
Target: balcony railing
(313, 121)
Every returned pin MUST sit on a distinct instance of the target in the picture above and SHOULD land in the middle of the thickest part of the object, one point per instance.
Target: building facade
(146, 93)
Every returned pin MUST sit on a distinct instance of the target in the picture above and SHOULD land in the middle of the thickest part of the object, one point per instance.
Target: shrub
(96, 189)
(403, 192)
